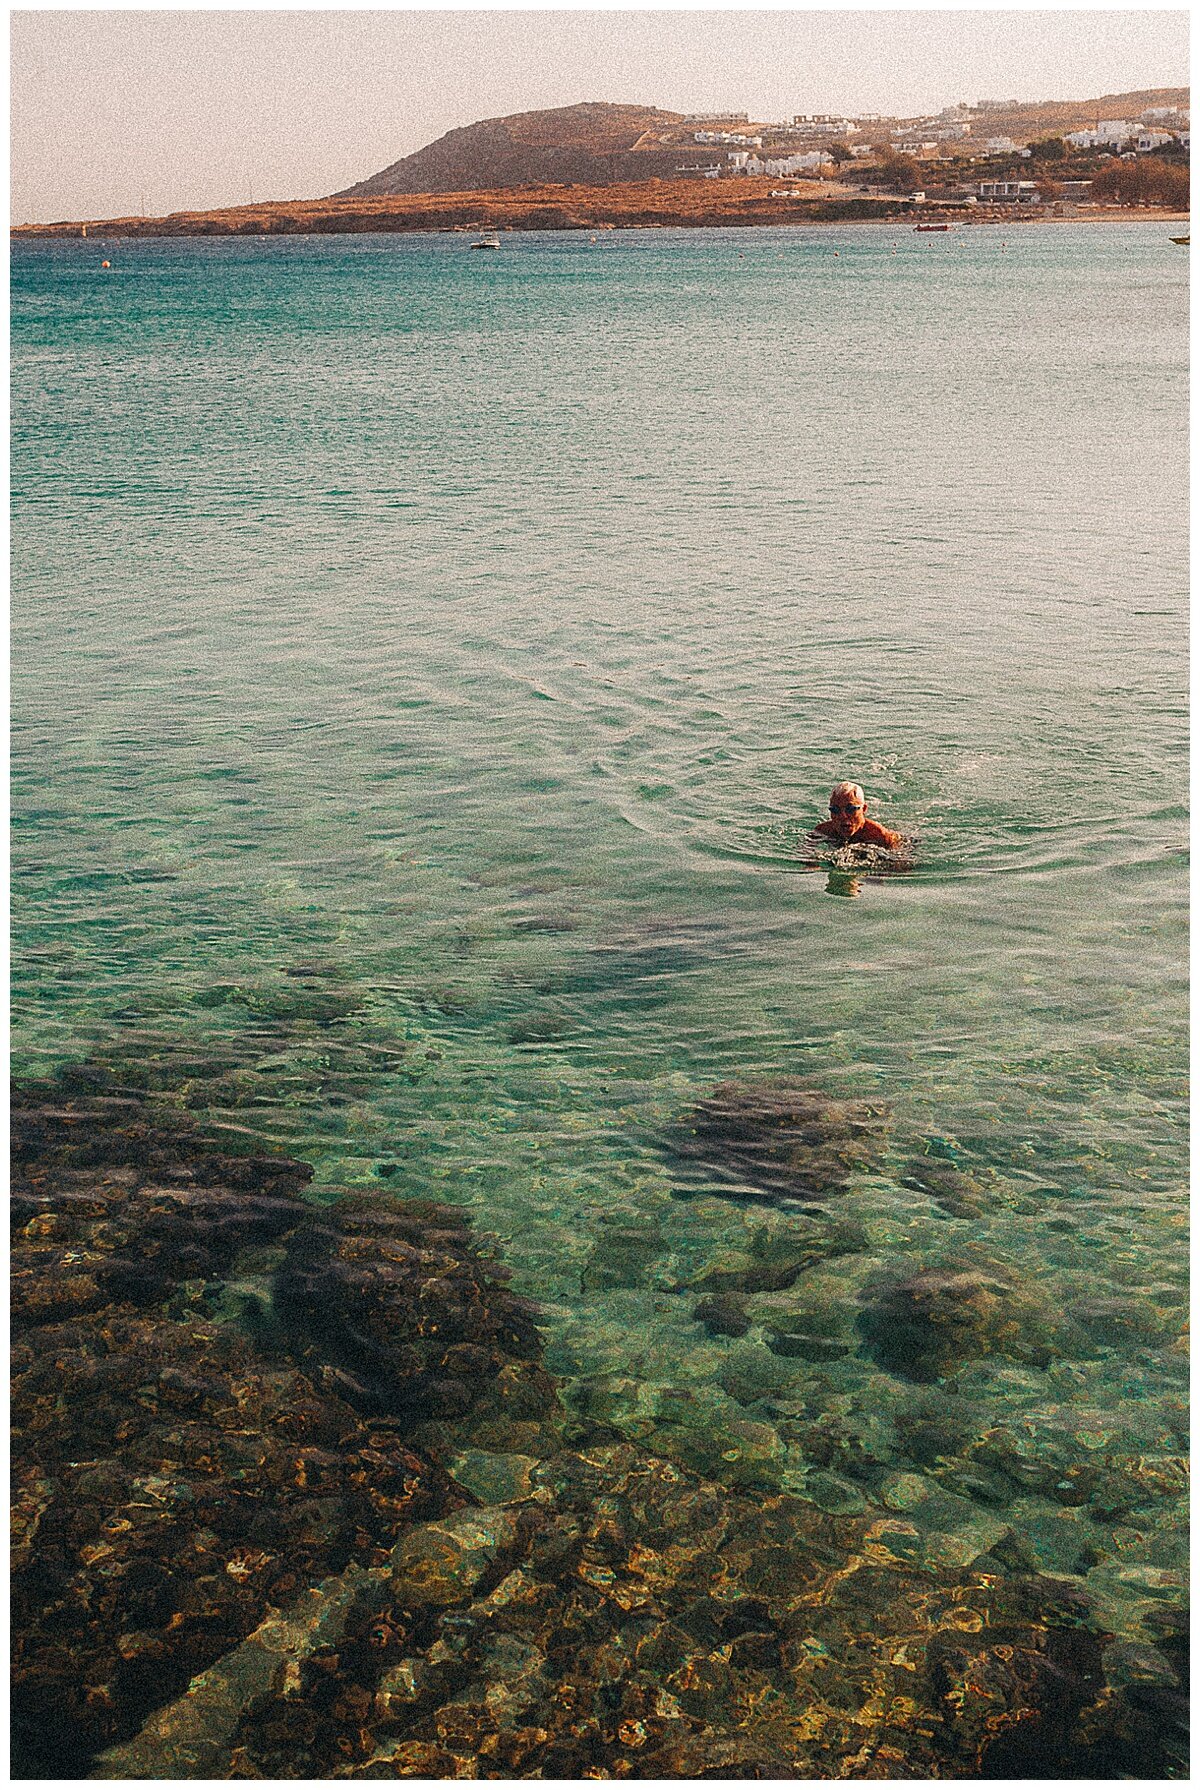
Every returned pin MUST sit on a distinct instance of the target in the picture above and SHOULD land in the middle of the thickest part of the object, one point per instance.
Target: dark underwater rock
(779, 1140)
(179, 1486)
(248, 1502)
(805, 1345)
(1118, 1323)
(980, 1680)
(958, 1193)
(722, 1314)
(925, 1325)
(393, 1300)
(642, 964)
(642, 1622)
(776, 1254)
(310, 1003)
(178, 1474)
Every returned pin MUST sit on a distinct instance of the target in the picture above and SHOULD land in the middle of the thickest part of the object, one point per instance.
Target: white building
(822, 124)
(1107, 134)
(1146, 140)
(798, 164)
(1023, 192)
(1000, 146)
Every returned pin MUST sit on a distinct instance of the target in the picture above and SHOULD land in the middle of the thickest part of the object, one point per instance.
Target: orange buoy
(106, 264)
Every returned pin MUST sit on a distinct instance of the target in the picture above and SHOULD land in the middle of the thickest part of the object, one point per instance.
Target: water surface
(427, 666)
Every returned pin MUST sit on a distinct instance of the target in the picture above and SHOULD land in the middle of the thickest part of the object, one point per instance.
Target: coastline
(645, 205)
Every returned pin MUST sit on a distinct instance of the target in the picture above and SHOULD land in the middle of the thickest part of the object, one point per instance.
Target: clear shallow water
(478, 635)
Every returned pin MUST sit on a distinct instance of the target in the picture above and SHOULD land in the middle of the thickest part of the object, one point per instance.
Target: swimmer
(848, 823)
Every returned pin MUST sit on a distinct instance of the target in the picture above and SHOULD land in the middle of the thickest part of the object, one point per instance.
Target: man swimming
(848, 823)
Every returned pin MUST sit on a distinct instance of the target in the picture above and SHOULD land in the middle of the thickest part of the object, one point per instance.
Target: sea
(427, 668)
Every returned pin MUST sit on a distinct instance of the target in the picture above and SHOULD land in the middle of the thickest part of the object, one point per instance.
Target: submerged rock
(391, 1299)
(779, 1140)
(1118, 1323)
(627, 1246)
(177, 1474)
(926, 1325)
(182, 1485)
(777, 1253)
(233, 1561)
(445, 1563)
(722, 1314)
(646, 1623)
(959, 1194)
(494, 1478)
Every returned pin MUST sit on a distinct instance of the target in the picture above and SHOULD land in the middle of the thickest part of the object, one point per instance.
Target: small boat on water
(1182, 239)
(925, 227)
(488, 241)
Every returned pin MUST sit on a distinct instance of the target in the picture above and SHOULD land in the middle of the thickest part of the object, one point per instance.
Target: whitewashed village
(953, 150)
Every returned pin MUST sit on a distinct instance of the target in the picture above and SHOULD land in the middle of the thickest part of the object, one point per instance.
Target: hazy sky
(115, 112)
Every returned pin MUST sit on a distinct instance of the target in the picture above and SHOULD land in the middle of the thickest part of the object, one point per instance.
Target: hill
(589, 144)
(600, 144)
(1025, 121)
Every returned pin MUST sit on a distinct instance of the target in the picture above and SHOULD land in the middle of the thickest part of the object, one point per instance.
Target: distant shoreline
(693, 204)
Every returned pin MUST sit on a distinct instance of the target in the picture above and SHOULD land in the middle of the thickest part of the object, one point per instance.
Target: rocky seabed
(295, 1497)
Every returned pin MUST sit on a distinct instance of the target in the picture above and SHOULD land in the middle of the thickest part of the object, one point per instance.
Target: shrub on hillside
(1149, 181)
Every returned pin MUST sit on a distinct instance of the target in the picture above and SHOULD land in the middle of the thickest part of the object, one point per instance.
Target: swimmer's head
(847, 808)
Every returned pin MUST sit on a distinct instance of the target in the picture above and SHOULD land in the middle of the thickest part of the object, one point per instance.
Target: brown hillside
(602, 144)
(586, 143)
(1023, 123)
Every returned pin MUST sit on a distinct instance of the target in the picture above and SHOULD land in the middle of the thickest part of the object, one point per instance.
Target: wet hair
(848, 789)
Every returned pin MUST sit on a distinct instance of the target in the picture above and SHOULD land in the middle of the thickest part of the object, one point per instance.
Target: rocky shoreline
(295, 1497)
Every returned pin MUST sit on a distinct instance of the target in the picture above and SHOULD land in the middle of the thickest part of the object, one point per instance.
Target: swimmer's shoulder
(871, 833)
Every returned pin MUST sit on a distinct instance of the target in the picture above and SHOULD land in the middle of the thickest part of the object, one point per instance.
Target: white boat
(490, 241)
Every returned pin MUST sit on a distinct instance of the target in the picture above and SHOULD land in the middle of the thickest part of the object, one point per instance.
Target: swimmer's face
(847, 813)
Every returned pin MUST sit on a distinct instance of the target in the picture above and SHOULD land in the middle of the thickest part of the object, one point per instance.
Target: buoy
(106, 264)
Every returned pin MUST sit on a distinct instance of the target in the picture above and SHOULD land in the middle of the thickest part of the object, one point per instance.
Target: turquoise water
(426, 668)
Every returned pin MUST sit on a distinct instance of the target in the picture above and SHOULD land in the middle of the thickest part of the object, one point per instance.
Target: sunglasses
(846, 807)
